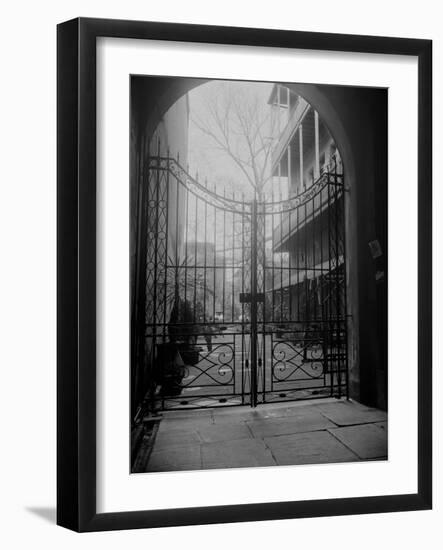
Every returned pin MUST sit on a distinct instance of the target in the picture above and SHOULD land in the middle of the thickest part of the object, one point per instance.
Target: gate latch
(246, 297)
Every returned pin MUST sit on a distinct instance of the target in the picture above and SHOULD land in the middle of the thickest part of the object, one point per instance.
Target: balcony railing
(295, 118)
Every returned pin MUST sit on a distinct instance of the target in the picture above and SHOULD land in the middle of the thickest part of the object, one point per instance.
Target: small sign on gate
(246, 297)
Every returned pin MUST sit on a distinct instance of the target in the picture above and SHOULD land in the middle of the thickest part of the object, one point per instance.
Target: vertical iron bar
(322, 292)
(314, 265)
(176, 259)
(345, 285)
(185, 260)
(157, 206)
(165, 308)
(263, 327)
(297, 248)
(306, 285)
(273, 258)
(243, 364)
(290, 265)
(205, 241)
(281, 263)
(195, 260)
(224, 258)
(254, 303)
(330, 305)
(273, 289)
(305, 230)
(215, 263)
(233, 262)
(337, 292)
(232, 295)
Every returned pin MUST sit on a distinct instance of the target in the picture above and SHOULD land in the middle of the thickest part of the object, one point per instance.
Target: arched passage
(356, 117)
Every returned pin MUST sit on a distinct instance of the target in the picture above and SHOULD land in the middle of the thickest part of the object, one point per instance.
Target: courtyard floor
(305, 432)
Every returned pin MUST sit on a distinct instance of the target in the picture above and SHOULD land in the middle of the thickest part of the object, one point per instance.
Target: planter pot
(170, 369)
(189, 354)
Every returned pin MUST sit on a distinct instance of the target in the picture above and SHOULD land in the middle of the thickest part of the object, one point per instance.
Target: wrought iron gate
(244, 300)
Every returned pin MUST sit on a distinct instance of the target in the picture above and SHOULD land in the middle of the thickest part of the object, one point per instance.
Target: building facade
(307, 170)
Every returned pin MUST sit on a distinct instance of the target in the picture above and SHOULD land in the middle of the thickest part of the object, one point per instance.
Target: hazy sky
(210, 162)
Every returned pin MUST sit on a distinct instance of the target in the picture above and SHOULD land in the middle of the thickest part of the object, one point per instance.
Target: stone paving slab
(265, 413)
(241, 414)
(308, 448)
(236, 454)
(175, 459)
(224, 432)
(289, 412)
(285, 433)
(238, 418)
(268, 410)
(366, 440)
(382, 425)
(167, 439)
(187, 424)
(187, 415)
(347, 413)
(303, 422)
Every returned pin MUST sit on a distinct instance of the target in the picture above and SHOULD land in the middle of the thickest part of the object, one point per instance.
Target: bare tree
(239, 124)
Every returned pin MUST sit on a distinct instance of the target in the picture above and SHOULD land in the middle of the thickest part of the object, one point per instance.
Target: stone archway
(357, 119)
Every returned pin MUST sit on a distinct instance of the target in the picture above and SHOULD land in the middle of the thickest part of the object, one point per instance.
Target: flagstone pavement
(307, 432)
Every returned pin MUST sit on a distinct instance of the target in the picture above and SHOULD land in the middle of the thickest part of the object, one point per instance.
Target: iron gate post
(254, 303)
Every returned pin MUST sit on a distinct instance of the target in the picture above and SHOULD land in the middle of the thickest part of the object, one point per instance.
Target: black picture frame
(76, 274)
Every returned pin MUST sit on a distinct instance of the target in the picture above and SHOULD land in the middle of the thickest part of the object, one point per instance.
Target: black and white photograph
(221, 275)
(258, 261)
